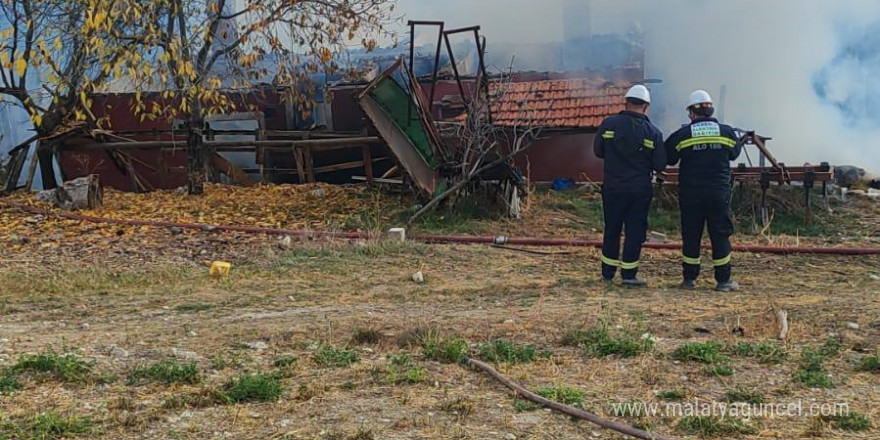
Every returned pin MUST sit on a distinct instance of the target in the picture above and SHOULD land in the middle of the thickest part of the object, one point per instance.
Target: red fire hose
(439, 239)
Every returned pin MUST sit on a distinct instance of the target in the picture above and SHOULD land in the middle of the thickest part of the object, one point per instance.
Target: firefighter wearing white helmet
(705, 148)
(632, 150)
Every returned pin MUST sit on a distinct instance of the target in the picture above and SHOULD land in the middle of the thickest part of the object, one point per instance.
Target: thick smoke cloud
(806, 72)
(851, 82)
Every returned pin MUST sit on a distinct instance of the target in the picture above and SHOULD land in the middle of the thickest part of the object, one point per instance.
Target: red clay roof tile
(572, 103)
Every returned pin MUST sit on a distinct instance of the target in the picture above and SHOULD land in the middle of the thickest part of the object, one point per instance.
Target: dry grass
(279, 338)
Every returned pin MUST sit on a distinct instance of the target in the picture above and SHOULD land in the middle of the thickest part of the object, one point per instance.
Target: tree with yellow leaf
(200, 54)
(48, 53)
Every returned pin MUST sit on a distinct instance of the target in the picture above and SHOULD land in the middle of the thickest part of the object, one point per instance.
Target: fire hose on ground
(435, 239)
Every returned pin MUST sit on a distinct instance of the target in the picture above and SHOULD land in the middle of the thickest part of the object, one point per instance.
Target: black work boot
(688, 285)
(727, 286)
(634, 282)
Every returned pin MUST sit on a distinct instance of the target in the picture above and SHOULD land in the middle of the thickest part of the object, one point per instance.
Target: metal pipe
(440, 239)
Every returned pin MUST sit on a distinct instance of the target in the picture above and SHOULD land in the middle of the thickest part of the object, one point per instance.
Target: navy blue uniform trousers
(624, 211)
(698, 210)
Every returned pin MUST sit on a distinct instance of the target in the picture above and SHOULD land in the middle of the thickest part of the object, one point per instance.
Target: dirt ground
(120, 298)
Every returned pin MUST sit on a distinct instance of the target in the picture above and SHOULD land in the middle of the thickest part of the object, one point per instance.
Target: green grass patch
(714, 426)
(251, 388)
(167, 372)
(62, 367)
(193, 308)
(811, 368)
(744, 395)
(45, 426)
(9, 382)
(672, 395)
(329, 356)
(853, 421)
(764, 352)
(601, 341)
(563, 395)
(703, 352)
(831, 348)
(814, 379)
(718, 370)
(468, 217)
(523, 405)
(870, 364)
(445, 349)
(505, 351)
(400, 369)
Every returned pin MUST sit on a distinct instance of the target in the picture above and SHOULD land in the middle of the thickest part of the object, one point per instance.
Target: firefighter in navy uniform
(632, 149)
(705, 148)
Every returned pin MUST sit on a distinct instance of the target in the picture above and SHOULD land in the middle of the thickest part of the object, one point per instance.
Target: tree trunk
(47, 166)
(195, 159)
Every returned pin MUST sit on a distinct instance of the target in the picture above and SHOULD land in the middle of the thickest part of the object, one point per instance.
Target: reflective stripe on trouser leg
(693, 220)
(613, 211)
(722, 269)
(625, 265)
(629, 270)
(609, 267)
(721, 261)
(610, 261)
(636, 228)
(720, 228)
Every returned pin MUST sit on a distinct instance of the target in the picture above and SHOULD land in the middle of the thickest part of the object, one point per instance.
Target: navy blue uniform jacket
(632, 148)
(705, 148)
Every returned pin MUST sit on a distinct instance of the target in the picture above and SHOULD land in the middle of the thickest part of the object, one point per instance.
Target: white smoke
(770, 56)
(806, 72)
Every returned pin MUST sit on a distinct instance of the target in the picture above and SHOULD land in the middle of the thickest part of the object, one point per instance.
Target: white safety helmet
(639, 92)
(699, 97)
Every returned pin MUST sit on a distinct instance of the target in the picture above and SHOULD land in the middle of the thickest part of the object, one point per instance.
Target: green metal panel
(394, 99)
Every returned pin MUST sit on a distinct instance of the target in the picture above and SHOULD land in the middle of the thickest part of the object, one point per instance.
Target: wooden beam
(230, 169)
(378, 180)
(16, 163)
(343, 166)
(318, 144)
(368, 164)
(298, 158)
(310, 164)
(32, 167)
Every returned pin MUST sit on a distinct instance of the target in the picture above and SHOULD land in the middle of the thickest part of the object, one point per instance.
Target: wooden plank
(298, 158)
(343, 166)
(32, 167)
(16, 164)
(378, 180)
(162, 165)
(245, 145)
(390, 172)
(230, 169)
(310, 164)
(368, 164)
